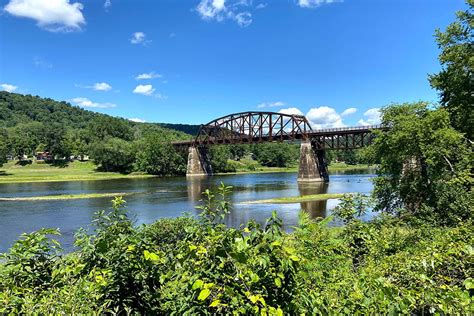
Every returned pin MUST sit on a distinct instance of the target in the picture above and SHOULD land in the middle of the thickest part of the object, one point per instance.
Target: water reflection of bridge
(260, 127)
(198, 184)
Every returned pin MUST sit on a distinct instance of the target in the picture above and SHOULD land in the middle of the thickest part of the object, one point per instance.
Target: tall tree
(113, 154)
(424, 165)
(276, 155)
(455, 81)
(55, 141)
(155, 155)
(3, 146)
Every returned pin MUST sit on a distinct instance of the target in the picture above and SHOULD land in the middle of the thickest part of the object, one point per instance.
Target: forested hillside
(19, 109)
(30, 124)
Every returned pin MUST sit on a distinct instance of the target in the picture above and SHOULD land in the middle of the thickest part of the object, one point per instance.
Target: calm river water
(154, 198)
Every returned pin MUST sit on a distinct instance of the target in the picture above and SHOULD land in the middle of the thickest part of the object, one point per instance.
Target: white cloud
(372, 117)
(261, 6)
(219, 11)
(324, 117)
(315, 3)
(8, 87)
(270, 104)
(149, 75)
(102, 86)
(243, 19)
(137, 120)
(99, 86)
(146, 89)
(86, 103)
(51, 15)
(107, 4)
(291, 111)
(348, 111)
(139, 38)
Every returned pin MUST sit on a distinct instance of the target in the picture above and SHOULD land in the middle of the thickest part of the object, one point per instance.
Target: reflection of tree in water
(314, 208)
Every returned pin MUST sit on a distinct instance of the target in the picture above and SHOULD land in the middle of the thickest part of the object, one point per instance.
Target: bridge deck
(332, 138)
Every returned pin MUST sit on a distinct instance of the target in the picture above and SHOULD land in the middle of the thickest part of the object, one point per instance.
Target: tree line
(30, 124)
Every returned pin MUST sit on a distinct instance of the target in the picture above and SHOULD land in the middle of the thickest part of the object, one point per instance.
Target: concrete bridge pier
(312, 167)
(198, 161)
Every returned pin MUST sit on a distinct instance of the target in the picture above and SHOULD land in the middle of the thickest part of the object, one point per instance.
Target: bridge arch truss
(253, 127)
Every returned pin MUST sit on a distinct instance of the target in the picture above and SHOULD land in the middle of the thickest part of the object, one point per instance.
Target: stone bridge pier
(312, 167)
(199, 163)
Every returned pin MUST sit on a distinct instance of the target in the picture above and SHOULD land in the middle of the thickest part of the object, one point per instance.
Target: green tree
(276, 155)
(455, 81)
(237, 152)
(114, 154)
(423, 162)
(157, 157)
(102, 127)
(220, 156)
(24, 138)
(55, 141)
(3, 146)
(77, 141)
(348, 156)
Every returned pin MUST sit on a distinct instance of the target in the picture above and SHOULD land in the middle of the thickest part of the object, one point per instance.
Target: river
(154, 198)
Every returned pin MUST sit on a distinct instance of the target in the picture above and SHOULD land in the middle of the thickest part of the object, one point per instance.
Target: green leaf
(204, 294)
(215, 303)
(469, 283)
(151, 256)
(278, 282)
(279, 312)
(294, 258)
(198, 284)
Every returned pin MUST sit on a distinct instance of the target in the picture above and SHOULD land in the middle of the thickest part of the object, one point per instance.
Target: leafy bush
(425, 165)
(153, 156)
(199, 266)
(114, 154)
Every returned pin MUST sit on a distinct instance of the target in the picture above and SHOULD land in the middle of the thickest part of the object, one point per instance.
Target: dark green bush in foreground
(198, 266)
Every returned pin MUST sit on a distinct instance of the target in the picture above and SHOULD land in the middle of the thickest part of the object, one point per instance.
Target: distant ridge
(18, 109)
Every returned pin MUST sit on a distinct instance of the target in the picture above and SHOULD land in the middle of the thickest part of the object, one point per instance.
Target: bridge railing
(350, 128)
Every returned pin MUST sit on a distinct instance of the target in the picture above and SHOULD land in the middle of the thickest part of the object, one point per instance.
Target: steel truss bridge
(261, 127)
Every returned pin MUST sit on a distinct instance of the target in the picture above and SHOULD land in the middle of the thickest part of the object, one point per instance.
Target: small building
(43, 155)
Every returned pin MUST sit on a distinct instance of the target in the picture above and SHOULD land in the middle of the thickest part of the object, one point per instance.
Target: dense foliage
(199, 266)
(424, 165)
(455, 80)
(33, 124)
(157, 157)
(277, 155)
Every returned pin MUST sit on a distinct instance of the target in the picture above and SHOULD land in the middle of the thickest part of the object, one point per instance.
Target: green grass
(11, 172)
(74, 171)
(299, 199)
(251, 166)
(64, 197)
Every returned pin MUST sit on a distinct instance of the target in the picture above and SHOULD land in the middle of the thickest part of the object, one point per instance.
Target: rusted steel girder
(260, 127)
(253, 127)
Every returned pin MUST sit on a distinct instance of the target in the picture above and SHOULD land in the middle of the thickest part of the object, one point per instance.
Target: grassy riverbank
(299, 199)
(73, 171)
(252, 166)
(80, 171)
(65, 197)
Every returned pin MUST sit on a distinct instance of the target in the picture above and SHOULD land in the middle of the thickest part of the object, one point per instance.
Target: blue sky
(334, 61)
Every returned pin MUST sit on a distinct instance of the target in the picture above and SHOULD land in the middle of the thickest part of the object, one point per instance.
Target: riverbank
(65, 197)
(12, 172)
(244, 166)
(299, 199)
